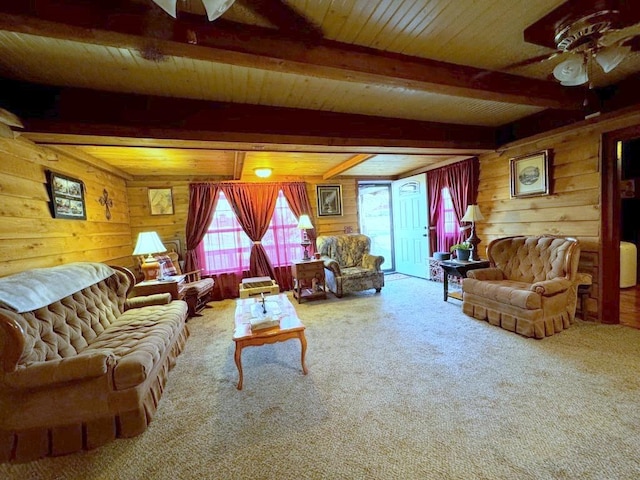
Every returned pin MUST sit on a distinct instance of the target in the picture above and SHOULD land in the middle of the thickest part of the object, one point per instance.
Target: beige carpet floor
(401, 385)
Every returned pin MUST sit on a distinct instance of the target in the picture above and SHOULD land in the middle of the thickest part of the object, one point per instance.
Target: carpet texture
(401, 385)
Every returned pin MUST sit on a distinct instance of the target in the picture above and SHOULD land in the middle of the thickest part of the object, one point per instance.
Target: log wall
(171, 227)
(29, 235)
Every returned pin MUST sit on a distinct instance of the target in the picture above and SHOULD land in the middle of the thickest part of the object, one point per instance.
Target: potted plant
(463, 251)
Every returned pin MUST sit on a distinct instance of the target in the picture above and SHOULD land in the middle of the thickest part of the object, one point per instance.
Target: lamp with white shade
(304, 224)
(473, 214)
(148, 244)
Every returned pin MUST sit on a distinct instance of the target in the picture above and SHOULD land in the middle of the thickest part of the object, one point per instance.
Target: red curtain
(298, 200)
(435, 182)
(202, 203)
(254, 208)
(462, 181)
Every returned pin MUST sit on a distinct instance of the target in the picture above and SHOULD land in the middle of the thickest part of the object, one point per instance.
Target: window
(447, 228)
(225, 247)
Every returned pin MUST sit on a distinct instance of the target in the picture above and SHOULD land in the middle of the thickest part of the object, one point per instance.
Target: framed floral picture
(329, 200)
(530, 175)
(67, 196)
(161, 201)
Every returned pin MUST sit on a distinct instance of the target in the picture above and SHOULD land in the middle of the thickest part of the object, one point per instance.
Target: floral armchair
(348, 265)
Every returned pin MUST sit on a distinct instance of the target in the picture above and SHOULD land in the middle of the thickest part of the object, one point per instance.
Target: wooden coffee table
(290, 327)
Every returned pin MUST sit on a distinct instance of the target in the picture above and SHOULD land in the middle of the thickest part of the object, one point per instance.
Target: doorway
(611, 228)
(376, 220)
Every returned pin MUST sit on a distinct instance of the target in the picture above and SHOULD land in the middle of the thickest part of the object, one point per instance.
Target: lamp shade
(473, 214)
(304, 222)
(571, 72)
(148, 243)
(610, 57)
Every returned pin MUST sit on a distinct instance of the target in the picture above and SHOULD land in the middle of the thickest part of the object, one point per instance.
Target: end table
(458, 269)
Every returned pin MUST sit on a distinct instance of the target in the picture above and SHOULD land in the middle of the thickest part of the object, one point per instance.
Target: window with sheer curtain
(447, 227)
(226, 248)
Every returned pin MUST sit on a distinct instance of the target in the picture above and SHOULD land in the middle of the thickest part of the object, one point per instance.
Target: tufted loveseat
(530, 287)
(80, 364)
(349, 267)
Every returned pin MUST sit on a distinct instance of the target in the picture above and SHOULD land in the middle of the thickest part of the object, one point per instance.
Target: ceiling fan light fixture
(610, 57)
(214, 8)
(571, 72)
(169, 6)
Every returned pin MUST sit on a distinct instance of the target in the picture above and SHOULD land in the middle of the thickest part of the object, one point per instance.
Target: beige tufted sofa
(78, 371)
(530, 287)
(349, 267)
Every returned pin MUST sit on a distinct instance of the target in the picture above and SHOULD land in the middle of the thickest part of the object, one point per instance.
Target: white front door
(410, 225)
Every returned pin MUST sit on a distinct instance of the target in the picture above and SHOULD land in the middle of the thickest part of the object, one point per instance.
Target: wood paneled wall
(171, 227)
(30, 237)
(572, 209)
(574, 206)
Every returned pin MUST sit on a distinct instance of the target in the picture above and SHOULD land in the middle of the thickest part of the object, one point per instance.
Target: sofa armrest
(486, 274)
(372, 262)
(147, 300)
(84, 366)
(331, 264)
(551, 287)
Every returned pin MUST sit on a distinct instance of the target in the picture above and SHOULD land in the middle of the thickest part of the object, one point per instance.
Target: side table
(458, 269)
(173, 285)
(308, 280)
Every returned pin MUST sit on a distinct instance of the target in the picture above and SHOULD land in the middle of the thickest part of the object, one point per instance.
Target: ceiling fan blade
(531, 61)
(618, 36)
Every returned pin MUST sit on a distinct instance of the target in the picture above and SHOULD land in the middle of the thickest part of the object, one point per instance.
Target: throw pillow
(167, 265)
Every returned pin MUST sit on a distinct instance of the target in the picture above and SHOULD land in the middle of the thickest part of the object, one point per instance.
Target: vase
(463, 255)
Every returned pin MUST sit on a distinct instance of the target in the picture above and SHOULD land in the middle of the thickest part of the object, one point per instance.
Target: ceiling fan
(585, 34)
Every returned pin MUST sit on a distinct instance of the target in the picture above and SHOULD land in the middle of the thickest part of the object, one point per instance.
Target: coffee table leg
(238, 359)
(303, 351)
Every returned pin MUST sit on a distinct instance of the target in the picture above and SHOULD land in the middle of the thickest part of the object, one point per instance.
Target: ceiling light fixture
(214, 8)
(262, 172)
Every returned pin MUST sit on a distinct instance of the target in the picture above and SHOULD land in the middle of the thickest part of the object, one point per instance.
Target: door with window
(410, 225)
(374, 207)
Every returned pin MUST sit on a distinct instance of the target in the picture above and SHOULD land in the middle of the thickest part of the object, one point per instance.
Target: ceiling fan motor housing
(584, 33)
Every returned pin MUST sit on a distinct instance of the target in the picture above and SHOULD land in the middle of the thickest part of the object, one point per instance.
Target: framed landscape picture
(160, 201)
(329, 200)
(530, 175)
(67, 196)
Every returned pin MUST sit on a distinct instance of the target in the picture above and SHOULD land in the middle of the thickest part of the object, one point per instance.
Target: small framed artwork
(161, 201)
(329, 200)
(67, 196)
(530, 175)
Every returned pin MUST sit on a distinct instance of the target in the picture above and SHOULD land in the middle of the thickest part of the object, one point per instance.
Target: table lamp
(473, 214)
(304, 223)
(148, 244)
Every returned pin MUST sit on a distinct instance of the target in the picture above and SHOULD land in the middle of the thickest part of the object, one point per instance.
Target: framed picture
(161, 201)
(530, 175)
(329, 200)
(67, 196)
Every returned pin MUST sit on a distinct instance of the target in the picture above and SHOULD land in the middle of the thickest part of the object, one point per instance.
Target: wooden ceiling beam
(344, 166)
(238, 164)
(65, 110)
(285, 18)
(193, 37)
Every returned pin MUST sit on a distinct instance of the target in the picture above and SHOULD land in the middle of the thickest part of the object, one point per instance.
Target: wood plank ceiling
(299, 85)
